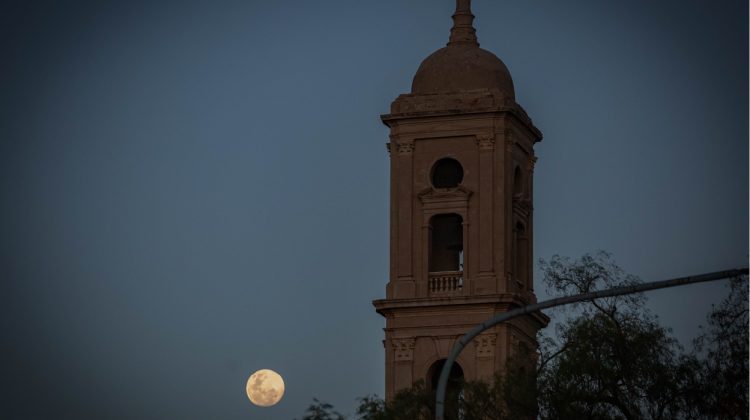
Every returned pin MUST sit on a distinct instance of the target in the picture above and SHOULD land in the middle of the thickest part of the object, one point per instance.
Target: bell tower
(461, 215)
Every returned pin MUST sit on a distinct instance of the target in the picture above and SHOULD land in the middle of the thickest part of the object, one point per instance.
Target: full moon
(265, 388)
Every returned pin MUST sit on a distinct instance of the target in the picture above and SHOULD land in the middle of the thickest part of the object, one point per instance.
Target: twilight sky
(191, 191)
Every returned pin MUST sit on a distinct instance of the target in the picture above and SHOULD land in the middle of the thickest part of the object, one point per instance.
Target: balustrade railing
(446, 282)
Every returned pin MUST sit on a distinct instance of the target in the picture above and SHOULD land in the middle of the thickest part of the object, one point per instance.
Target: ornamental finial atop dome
(463, 32)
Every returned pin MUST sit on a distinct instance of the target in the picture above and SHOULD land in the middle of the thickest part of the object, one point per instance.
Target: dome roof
(462, 67)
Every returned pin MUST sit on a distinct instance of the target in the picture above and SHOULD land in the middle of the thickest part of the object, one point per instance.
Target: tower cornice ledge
(506, 300)
(482, 101)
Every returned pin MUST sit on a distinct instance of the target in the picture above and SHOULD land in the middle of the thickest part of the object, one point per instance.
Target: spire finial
(463, 32)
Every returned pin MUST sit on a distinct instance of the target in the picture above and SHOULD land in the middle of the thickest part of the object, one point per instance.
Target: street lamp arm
(616, 291)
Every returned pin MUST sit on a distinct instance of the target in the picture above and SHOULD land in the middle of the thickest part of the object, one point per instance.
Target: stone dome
(462, 67)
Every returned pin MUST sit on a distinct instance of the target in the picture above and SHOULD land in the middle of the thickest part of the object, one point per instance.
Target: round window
(447, 173)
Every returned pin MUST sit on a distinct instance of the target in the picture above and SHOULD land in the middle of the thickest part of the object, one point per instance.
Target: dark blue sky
(191, 191)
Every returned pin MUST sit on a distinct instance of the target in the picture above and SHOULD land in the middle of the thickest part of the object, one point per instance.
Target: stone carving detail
(509, 140)
(405, 148)
(481, 99)
(486, 141)
(453, 103)
(532, 162)
(485, 345)
(429, 195)
(388, 146)
(403, 349)
(522, 207)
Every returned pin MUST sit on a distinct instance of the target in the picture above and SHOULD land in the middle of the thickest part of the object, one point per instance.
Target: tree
(508, 396)
(614, 361)
(722, 354)
(415, 403)
(321, 411)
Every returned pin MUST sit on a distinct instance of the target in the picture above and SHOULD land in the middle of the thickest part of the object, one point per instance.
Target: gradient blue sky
(191, 191)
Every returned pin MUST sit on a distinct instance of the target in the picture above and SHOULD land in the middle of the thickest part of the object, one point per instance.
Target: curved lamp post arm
(617, 291)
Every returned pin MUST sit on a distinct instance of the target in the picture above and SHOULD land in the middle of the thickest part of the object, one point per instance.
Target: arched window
(454, 390)
(447, 173)
(446, 243)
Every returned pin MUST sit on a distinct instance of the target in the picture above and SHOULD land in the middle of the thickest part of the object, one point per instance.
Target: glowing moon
(265, 388)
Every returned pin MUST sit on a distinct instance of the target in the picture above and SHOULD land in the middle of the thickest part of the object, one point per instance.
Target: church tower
(461, 226)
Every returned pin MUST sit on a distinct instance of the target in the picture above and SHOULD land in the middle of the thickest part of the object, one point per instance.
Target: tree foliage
(319, 410)
(508, 396)
(722, 357)
(614, 361)
(610, 359)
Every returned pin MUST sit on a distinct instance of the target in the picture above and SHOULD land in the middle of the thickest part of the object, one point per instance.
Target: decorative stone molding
(449, 199)
(522, 207)
(443, 345)
(510, 141)
(471, 100)
(388, 147)
(403, 349)
(459, 193)
(405, 148)
(485, 345)
(531, 162)
(485, 141)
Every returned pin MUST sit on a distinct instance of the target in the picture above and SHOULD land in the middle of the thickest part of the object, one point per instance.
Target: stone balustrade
(446, 283)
